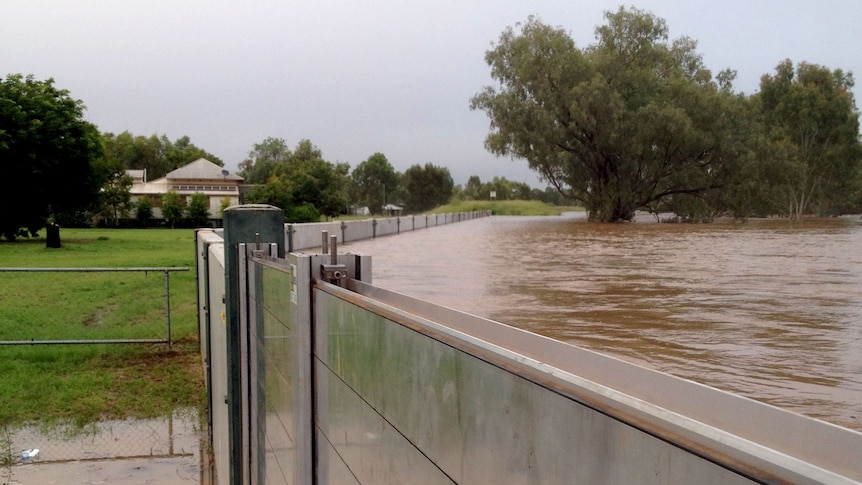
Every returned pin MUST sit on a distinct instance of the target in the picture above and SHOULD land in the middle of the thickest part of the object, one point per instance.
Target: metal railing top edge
(84, 341)
(94, 270)
(833, 447)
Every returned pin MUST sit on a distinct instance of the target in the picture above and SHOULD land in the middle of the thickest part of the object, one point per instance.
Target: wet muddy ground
(159, 451)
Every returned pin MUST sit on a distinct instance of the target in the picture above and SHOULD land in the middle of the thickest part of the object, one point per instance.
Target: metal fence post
(168, 307)
(242, 224)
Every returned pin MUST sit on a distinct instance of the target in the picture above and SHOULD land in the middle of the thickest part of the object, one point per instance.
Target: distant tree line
(501, 189)
(308, 187)
(637, 122)
(156, 154)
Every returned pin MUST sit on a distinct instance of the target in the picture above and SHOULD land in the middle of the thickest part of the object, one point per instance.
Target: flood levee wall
(305, 236)
(343, 382)
(213, 338)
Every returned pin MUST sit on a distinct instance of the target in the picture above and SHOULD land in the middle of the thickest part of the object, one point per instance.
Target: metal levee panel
(358, 230)
(285, 433)
(307, 235)
(386, 227)
(736, 429)
(394, 393)
(420, 221)
(279, 428)
(371, 448)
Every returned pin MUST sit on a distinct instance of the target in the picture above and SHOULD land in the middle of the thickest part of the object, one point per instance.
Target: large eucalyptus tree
(813, 149)
(634, 121)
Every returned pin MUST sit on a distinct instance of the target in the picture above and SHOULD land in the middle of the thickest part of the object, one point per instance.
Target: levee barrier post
(250, 224)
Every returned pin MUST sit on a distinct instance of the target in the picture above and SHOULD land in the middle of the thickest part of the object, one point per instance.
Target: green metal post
(242, 224)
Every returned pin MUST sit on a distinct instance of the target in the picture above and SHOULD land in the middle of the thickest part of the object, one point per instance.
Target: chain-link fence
(166, 271)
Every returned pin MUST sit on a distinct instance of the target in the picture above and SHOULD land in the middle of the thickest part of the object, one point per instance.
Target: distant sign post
(493, 194)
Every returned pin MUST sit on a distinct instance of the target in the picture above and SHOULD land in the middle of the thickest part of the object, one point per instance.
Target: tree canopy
(173, 208)
(300, 181)
(375, 183)
(48, 148)
(262, 160)
(156, 154)
(811, 126)
(634, 121)
(502, 189)
(427, 187)
(197, 210)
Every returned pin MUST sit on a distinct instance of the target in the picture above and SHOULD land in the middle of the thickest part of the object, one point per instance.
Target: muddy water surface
(767, 309)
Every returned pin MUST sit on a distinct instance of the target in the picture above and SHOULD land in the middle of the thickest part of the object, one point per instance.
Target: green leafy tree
(173, 208)
(47, 147)
(299, 181)
(120, 150)
(116, 198)
(182, 152)
(275, 192)
(302, 213)
(136, 152)
(315, 181)
(263, 159)
(625, 124)
(427, 187)
(813, 149)
(155, 154)
(374, 183)
(198, 211)
(521, 191)
(473, 188)
(143, 211)
(279, 193)
(332, 184)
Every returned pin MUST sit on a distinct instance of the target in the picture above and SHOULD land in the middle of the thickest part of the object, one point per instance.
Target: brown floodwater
(768, 309)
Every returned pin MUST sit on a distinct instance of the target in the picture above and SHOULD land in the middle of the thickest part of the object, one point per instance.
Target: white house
(200, 176)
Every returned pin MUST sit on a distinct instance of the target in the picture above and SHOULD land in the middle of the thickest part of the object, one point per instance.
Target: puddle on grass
(163, 451)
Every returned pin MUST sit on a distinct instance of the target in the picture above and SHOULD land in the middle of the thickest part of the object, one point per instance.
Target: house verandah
(220, 187)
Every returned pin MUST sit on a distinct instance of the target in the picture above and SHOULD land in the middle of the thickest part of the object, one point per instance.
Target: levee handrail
(95, 270)
(166, 270)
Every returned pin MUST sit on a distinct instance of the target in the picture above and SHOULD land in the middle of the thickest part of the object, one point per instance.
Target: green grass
(505, 207)
(84, 383)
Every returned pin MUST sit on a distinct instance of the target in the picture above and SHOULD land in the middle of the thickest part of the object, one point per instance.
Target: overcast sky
(360, 77)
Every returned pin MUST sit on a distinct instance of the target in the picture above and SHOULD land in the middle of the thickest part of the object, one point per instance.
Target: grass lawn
(84, 383)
